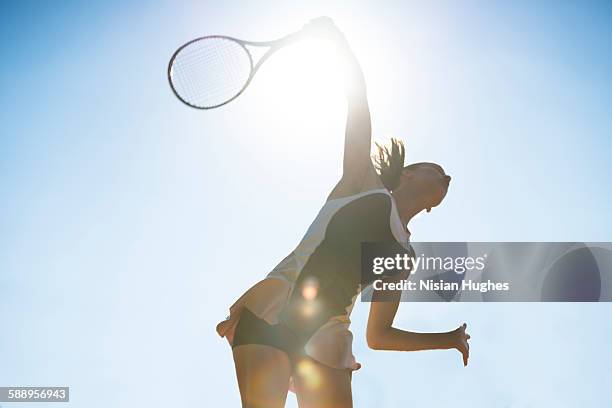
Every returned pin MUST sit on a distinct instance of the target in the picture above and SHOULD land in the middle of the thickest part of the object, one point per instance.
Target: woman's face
(425, 182)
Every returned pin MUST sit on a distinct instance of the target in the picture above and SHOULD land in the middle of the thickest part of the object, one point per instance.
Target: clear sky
(129, 223)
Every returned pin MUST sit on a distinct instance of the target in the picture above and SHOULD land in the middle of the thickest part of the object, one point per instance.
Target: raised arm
(381, 335)
(358, 134)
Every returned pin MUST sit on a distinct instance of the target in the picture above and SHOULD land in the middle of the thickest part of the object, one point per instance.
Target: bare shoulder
(347, 187)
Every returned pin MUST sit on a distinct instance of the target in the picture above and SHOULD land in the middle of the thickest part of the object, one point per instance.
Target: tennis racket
(211, 71)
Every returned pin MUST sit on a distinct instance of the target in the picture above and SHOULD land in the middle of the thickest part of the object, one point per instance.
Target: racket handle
(289, 39)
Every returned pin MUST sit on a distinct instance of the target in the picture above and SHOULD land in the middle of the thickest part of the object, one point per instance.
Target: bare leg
(319, 386)
(263, 375)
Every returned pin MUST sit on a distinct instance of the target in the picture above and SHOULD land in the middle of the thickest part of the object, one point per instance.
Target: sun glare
(297, 99)
(308, 67)
(302, 80)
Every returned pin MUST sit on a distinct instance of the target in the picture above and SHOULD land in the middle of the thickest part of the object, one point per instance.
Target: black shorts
(253, 330)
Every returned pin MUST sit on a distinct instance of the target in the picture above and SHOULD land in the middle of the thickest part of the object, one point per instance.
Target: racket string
(210, 71)
(209, 83)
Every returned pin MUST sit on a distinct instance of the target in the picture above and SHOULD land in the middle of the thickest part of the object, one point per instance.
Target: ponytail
(389, 162)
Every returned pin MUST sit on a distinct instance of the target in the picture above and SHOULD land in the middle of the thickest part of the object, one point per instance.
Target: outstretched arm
(381, 335)
(358, 134)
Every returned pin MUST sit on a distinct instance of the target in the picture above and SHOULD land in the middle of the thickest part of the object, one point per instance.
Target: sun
(297, 101)
(305, 78)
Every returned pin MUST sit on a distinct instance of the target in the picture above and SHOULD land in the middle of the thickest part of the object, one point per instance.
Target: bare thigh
(319, 386)
(263, 375)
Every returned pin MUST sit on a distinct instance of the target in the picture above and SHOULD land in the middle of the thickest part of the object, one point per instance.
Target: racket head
(210, 71)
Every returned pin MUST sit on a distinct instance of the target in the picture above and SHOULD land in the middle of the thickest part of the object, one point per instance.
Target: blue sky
(130, 223)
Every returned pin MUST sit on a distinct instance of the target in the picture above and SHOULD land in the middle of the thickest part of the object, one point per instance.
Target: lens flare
(310, 288)
(309, 309)
(309, 374)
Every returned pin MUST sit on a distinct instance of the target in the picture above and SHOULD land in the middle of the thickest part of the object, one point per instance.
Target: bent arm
(381, 335)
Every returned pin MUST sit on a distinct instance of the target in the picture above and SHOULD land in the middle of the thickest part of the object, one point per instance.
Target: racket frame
(274, 45)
